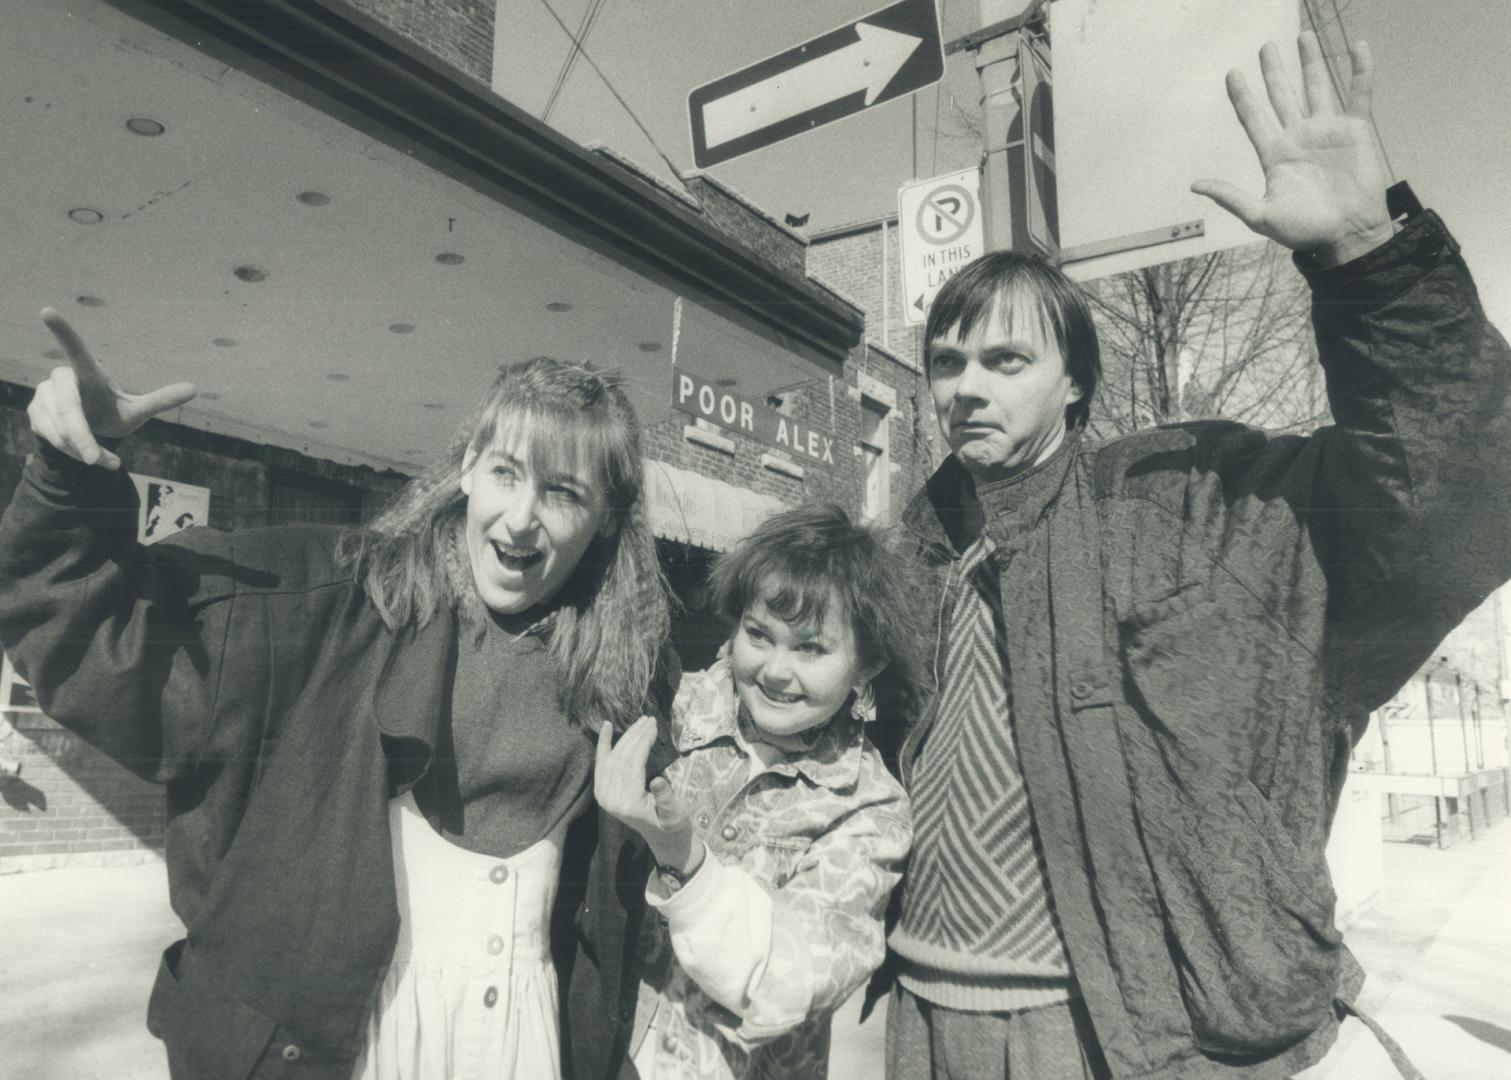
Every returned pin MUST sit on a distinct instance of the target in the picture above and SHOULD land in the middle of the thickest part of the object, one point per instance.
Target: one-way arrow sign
(882, 56)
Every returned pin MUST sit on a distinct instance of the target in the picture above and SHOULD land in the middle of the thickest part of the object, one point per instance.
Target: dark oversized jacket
(1225, 608)
(249, 675)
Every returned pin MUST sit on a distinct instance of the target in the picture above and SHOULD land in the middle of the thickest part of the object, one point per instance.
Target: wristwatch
(671, 877)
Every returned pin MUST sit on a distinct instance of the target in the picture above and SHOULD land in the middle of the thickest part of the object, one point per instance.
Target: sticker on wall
(168, 506)
(16, 694)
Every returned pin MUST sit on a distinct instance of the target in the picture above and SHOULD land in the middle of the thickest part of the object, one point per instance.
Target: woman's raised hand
(651, 809)
(78, 404)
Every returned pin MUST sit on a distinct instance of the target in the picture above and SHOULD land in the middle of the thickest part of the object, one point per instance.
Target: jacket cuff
(694, 897)
(68, 477)
(1379, 276)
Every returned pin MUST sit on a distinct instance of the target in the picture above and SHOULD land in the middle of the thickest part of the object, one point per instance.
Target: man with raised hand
(1156, 654)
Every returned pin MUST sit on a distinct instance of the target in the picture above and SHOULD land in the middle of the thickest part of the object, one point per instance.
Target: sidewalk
(78, 952)
(1437, 949)
(79, 948)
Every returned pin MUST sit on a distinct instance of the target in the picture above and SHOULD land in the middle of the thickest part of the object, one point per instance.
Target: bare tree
(1221, 335)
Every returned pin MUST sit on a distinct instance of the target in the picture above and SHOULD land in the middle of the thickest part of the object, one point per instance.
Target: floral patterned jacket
(743, 966)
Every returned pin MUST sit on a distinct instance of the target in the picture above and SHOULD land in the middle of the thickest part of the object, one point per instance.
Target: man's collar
(947, 515)
(706, 712)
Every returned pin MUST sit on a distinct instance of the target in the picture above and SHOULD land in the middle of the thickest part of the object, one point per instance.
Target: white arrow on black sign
(888, 53)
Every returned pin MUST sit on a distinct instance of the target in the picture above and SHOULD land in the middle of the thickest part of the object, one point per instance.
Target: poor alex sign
(701, 398)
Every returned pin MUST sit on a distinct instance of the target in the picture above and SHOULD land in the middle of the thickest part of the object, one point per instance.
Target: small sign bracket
(1185, 230)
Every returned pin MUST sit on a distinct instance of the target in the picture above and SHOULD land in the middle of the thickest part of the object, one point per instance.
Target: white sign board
(168, 506)
(939, 231)
(1141, 111)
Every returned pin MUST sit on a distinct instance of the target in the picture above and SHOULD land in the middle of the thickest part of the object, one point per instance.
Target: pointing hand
(78, 404)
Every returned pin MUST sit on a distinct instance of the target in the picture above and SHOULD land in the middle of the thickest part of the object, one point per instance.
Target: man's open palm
(1324, 183)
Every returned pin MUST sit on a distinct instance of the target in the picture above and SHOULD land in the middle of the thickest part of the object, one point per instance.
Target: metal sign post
(889, 53)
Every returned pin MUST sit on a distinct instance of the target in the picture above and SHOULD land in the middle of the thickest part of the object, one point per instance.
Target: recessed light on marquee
(145, 125)
(85, 215)
(90, 301)
(558, 306)
(313, 198)
(401, 328)
(250, 274)
(225, 342)
(450, 258)
(649, 346)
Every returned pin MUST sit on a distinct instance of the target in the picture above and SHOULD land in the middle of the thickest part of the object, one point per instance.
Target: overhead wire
(584, 28)
(1337, 82)
(608, 83)
(938, 91)
(1347, 44)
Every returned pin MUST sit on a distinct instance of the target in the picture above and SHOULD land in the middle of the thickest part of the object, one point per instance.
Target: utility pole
(998, 46)
(997, 68)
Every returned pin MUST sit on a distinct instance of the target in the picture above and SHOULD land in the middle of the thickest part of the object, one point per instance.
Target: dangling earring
(864, 706)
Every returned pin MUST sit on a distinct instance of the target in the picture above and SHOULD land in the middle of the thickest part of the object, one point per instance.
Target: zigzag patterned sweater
(978, 930)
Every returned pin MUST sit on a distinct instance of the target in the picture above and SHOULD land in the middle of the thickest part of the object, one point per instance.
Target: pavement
(79, 948)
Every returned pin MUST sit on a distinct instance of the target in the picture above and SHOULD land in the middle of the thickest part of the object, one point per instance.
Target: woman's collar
(708, 710)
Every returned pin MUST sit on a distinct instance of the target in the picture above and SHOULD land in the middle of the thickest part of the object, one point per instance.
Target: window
(876, 458)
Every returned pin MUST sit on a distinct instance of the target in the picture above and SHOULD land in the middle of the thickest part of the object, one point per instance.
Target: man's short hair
(972, 294)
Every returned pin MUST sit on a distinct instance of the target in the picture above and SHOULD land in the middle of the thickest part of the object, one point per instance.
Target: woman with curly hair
(778, 833)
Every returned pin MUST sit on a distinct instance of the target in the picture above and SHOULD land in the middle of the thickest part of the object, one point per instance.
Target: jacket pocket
(1249, 926)
(773, 858)
(205, 1030)
(1248, 912)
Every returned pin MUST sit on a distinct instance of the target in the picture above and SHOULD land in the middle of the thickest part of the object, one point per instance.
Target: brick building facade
(863, 262)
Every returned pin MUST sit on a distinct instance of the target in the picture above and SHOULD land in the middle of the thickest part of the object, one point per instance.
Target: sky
(1442, 104)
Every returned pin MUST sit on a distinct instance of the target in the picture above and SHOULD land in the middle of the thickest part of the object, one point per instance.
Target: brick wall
(752, 227)
(460, 32)
(850, 262)
(70, 805)
(916, 449)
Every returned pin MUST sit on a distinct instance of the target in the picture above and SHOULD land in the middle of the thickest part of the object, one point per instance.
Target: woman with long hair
(377, 745)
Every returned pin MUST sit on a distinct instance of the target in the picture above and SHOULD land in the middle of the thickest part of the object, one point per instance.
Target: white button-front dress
(471, 992)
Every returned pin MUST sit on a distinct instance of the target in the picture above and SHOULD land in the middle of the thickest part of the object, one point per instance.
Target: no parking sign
(939, 223)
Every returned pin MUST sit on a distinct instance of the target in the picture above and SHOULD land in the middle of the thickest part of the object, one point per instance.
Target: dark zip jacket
(249, 675)
(1225, 608)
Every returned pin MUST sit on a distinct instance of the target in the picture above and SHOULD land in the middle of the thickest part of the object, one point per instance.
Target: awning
(699, 510)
